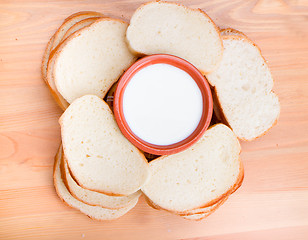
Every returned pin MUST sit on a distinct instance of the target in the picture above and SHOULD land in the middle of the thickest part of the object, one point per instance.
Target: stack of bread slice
(195, 182)
(92, 44)
(97, 170)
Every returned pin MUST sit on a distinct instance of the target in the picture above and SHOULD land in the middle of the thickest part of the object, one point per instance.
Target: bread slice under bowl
(94, 212)
(198, 177)
(92, 59)
(170, 28)
(243, 87)
(99, 157)
(91, 197)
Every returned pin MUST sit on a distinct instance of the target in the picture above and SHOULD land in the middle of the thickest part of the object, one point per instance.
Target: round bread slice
(94, 198)
(94, 212)
(99, 157)
(92, 60)
(199, 176)
(243, 87)
(58, 36)
(170, 28)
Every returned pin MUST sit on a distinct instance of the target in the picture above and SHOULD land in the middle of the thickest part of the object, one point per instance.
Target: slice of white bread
(58, 36)
(94, 212)
(46, 59)
(199, 176)
(92, 59)
(99, 157)
(170, 28)
(94, 198)
(243, 86)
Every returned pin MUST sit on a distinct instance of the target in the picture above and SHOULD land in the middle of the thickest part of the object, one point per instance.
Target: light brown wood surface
(271, 204)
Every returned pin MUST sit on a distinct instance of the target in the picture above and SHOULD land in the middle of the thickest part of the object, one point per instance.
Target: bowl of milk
(163, 104)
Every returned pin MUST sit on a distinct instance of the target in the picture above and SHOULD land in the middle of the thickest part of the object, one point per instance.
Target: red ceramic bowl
(206, 97)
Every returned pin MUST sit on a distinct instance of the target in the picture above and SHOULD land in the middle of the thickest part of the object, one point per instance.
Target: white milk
(162, 104)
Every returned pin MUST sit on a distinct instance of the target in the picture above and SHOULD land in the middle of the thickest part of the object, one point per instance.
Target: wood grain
(271, 204)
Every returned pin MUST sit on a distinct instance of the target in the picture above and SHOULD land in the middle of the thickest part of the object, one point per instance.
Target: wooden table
(271, 204)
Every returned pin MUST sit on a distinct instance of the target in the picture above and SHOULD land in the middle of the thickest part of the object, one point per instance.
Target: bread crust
(78, 26)
(46, 59)
(232, 32)
(217, 108)
(207, 213)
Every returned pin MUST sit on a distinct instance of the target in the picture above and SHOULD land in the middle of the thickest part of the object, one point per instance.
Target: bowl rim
(206, 98)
